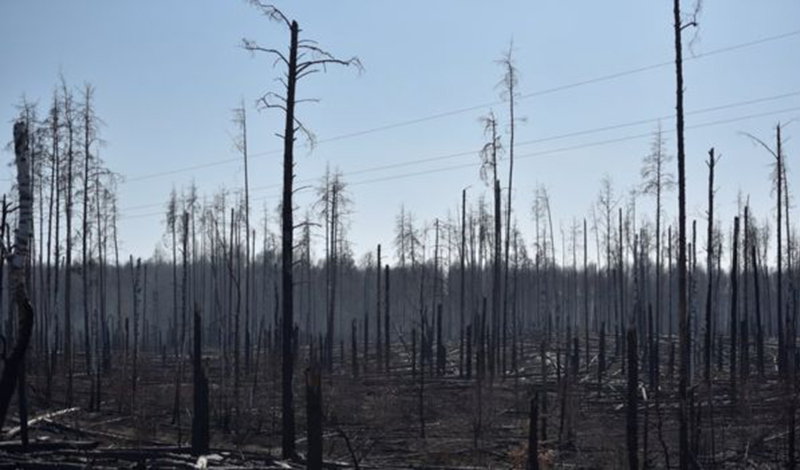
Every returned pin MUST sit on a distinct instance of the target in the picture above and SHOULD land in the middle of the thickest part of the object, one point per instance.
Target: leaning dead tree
(18, 259)
(305, 58)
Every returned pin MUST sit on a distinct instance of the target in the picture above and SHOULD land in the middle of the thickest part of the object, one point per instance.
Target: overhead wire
(524, 156)
(472, 108)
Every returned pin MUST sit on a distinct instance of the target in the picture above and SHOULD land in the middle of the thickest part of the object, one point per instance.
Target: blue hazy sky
(168, 73)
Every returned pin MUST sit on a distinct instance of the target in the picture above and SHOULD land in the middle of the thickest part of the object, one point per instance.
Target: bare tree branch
(756, 140)
(271, 12)
(252, 46)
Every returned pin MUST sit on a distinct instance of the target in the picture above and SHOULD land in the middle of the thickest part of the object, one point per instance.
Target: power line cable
(527, 155)
(458, 111)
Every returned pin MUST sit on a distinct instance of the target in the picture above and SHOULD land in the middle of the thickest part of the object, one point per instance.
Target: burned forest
(616, 292)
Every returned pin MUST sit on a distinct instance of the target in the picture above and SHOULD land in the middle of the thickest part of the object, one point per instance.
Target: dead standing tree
(18, 259)
(69, 120)
(489, 155)
(679, 25)
(305, 58)
(89, 123)
(734, 300)
(508, 85)
(657, 180)
(172, 227)
(711, 163)
(333, 206)
(783, 332)
(240, 142)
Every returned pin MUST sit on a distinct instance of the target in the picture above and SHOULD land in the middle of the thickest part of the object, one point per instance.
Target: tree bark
(734, 300)
(200, 425)
(17, 264)
(632, 432)
(683, 431)
(314, 417)
(709, 266)
(533, 442)
(287, 245)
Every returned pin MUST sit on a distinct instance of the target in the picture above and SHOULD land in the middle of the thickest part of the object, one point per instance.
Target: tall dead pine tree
(305, 58)
(711, 163)
(463, 290)
(509, 85)
(683, 431)
(68, 209)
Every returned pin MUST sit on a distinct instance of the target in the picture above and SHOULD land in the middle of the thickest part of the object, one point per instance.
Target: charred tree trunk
(632, 426)
(354, 348)
(378, 299)
(709, 266)
(496, 282)
(200, 428)
(366, 342)
(759, 323)
(386, 322)
(533, 442)
(683, 431)
(468, 366)
(462, 272)
(287, 245)
(85, 228)
(601, 357)
(314, 417)
(440, 350)
(136, 304)
(68, 352)
(779, 288)
(413, 352)
(586, 294)
(734, 300)
(247, 266)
